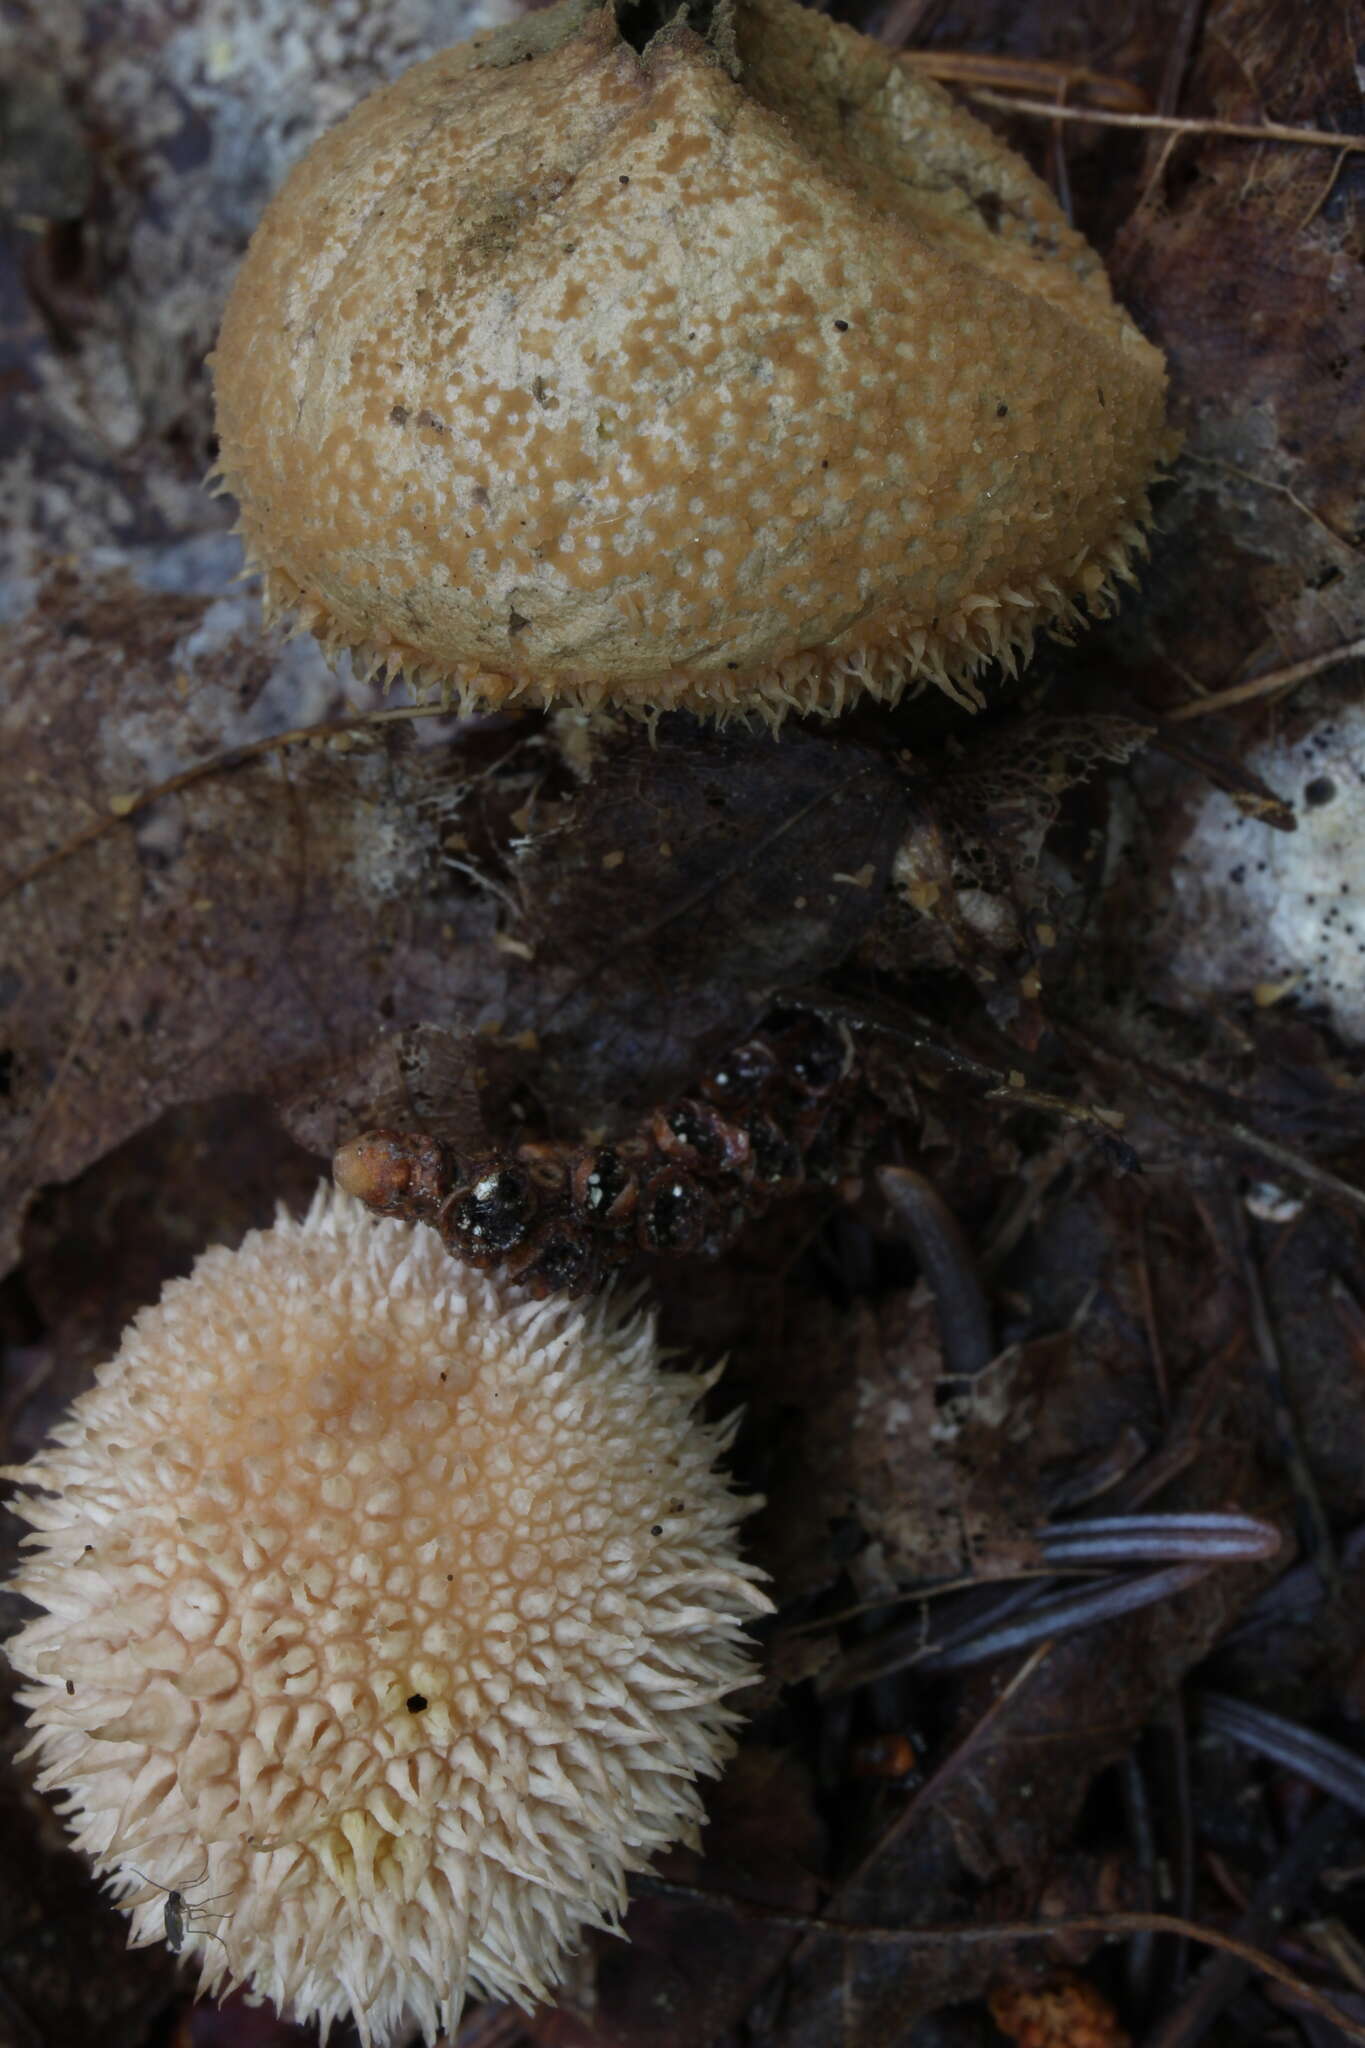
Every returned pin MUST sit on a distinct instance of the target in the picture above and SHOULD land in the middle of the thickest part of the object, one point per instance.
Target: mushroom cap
(388, 1616)
(562, 372)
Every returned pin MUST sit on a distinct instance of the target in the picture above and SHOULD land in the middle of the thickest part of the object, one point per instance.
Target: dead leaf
(727, 892)
(252, 925)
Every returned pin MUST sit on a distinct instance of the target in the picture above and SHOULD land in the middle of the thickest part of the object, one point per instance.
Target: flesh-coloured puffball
(741, 378)
(388, 1615)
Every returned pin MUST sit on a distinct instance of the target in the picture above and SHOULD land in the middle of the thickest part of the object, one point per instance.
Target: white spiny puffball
(386, 1612)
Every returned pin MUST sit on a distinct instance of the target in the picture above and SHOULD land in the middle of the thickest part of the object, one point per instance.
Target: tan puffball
(560, 372)
(389, 1614)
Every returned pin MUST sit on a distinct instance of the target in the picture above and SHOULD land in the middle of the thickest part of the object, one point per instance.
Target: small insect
(180, 1912)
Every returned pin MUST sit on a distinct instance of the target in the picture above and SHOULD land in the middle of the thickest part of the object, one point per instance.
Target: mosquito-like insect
(180, 1912)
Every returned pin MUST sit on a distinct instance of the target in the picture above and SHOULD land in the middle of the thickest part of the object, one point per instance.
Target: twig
(1266, 685)
(1179, 49)
(1169, 124)
(1038, 1176)
(1058, 173)
(1221, 1979)
(1278, 488)
(944, 1778)
(1250, 792)
(1325, 193)
(1191, 1104)
(131, 806)
(989, 1604)
(1307, 1170)
(1340, 1947)
(1107, 1924)
(1002, 1085)
(1018, 74)
(1106, 1123)
(937, 1589)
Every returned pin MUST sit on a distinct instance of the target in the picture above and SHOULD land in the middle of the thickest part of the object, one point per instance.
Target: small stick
(954, 1766)
(1191, 1105)
(1018, 74)
(1266, 685)
(1169, 124)
(645, 1884)
(1222, 1977)
(122, 808)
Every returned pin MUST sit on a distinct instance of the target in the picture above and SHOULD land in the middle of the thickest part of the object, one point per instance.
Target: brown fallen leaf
(727, 892)
(253, 924)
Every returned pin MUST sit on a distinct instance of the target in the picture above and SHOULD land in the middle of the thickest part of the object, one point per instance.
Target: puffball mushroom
(741, 375)
(388, 1610)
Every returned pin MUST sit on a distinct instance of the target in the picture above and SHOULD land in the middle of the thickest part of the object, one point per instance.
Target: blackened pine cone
(559, 1217)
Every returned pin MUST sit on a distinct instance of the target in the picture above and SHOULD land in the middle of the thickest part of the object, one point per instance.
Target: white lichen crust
(387, 1613)
(558, 372)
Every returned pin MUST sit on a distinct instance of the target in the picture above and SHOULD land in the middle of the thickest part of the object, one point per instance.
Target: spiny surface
(388, 1613)
(558, 371)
